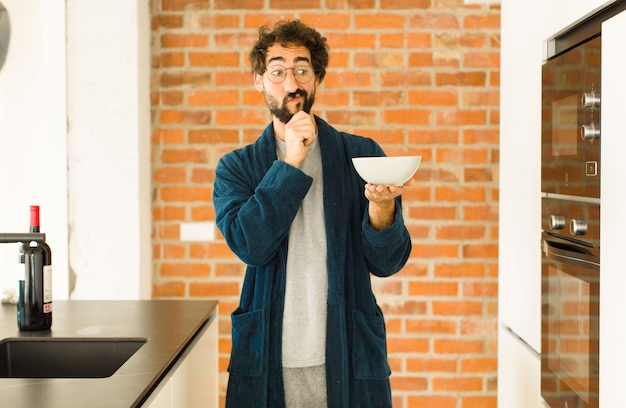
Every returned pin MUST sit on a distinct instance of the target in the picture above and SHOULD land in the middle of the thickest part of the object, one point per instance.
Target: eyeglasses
(302, 73)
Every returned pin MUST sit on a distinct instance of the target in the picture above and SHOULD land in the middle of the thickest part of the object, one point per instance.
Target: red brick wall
(420, 77)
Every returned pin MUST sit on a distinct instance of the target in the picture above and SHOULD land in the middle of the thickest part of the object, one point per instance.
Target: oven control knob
(577, 227)
(590, 132)
(556, 222)
(590, 100)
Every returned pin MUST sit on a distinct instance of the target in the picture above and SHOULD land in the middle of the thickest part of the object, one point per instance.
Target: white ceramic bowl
(387, 171)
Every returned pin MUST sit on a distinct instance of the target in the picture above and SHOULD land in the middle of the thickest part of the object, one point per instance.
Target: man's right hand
(300, 132)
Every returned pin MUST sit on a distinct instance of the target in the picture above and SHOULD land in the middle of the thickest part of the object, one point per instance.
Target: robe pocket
(369, 347)
(248, 336)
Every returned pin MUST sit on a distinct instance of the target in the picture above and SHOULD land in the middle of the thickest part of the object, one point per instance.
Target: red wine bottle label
(47, 288)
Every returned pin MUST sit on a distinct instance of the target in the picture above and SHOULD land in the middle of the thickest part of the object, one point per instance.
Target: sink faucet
(13, 238)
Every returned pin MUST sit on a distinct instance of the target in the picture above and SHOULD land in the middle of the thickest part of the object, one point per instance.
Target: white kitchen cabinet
(519, 374)
(612, 214)
(520, 173)
(193, 380)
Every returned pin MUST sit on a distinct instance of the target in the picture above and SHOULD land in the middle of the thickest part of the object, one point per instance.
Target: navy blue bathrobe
(256, 198)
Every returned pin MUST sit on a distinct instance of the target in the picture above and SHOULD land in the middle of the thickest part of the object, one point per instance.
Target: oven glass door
(571, 122)
(570, 325)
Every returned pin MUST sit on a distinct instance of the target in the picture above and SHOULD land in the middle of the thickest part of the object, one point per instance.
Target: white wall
(108, 157)
(612, 216)
(74, 138)
(520, 172)
(33, 134)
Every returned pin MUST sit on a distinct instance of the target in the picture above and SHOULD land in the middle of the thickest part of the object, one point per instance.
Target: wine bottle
(35, 290)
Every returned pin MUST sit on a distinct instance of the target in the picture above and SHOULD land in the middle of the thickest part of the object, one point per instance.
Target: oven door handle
(570, 254)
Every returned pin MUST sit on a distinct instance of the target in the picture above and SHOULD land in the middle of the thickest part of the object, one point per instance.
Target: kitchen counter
(168, 325)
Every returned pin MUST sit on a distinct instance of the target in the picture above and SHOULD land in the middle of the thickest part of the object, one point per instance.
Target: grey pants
(305, 387)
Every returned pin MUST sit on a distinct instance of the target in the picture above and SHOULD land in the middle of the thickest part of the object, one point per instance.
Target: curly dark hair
(290, 33)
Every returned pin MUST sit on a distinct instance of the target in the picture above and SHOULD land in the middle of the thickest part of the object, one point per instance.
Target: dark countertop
(169, 325)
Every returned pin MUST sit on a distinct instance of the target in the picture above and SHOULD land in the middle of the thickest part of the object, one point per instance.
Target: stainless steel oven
(571, 121)
(571, 169)
(570, 303)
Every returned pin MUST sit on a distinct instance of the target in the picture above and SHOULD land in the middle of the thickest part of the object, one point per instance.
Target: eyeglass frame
(267, 69)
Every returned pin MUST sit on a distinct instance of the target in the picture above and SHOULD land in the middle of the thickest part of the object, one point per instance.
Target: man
(308, 331)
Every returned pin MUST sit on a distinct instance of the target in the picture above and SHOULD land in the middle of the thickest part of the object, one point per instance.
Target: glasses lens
(277, 73)
(303, 73)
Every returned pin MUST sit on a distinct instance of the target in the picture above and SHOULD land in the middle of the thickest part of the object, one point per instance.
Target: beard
(281, 110)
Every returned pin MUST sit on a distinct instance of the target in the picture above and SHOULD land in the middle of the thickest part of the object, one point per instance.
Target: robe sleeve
(255, 217)
(386, 251)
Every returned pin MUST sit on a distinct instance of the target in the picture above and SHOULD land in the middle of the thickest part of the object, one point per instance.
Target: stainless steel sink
(50, 357)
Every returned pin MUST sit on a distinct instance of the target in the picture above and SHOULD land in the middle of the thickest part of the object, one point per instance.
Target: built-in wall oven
(570, 243)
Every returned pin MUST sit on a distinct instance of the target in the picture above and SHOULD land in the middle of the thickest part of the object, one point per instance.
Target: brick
(166, 21)
(460, 232)
(489, 21)
(457, 308)
(463, 117)
(168, 289)
(202, 175)
(407, 116)
(482, 60)
(173, 251)
(435, 251)
(213, 21)
(213, 289)
(168, 213)
(327, 21)
(481, 251)
(448, 346)
(184, 40)
(294, 4)
(433, 289)
(346, 117)
(378, 21)
(171, 59)
(405, 4)
(432, 364)
(185, 194)
(479, 327)
(479, 401)
(406, 79)
(351, 40)
(479, 365)
(460, 270)
(433, 213)
(176, 5)
(183, 156)
(169, 175)
(213, 136)
(434, 21)
(234, 117)
(430, 326)
(250, 5)
(457, 384)
(213, 59)
(412, 384)
(407, 344)
(185, 270)
(212, 98)
(473, 78)
(432, 401)
(350, 4)
(433, 98)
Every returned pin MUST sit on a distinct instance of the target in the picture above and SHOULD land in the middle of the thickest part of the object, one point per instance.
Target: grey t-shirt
(306, 292)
